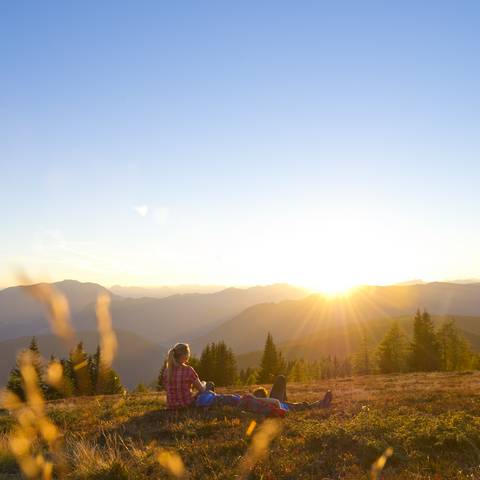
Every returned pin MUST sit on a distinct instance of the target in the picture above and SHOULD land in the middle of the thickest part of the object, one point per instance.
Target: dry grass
(417, 426)
(432, 422)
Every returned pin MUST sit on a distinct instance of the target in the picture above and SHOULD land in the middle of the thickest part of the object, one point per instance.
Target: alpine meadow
(239, 240)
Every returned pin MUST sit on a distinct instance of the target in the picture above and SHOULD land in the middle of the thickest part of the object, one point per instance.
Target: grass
(432, 422)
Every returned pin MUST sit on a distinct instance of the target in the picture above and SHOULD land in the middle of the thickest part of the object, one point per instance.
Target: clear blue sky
(240, 142)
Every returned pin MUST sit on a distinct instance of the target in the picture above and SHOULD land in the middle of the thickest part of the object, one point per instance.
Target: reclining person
(279, 393)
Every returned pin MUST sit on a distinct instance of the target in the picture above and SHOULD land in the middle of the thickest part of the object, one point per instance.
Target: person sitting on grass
(278, 394)
(180, 378)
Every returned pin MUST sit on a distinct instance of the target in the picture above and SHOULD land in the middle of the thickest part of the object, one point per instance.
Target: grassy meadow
(431, 421)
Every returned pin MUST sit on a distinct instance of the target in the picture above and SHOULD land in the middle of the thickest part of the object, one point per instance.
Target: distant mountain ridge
(21, 315)
(295, 319)
(158, 319)
(163, 291)
(184, 317)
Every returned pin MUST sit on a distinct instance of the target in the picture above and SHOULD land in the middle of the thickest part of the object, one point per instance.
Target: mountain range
(296, 319)
(310, 325)
(161, 320)
(163, 291)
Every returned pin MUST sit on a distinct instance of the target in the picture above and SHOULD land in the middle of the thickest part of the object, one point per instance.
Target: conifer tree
(15, 381)
(51, 392)
(425, 352)
(248, 376)
(218, 364)
(299, 371)
(454, 350)
(103, 379)
(206, 369)
(79, 371)
(269, 365)
(391, 352)
(363, 364)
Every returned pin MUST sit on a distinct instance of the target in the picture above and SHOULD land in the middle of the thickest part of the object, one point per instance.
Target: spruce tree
(425, 351)
(363, 364)
(103, 379)
(79, 371)
(454, 350)
(391, 352)
(52, 392)
(218, 364)
(270, 363)
(15, 380)
(206, 368)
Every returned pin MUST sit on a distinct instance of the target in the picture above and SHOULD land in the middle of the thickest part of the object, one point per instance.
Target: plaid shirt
(179, 390)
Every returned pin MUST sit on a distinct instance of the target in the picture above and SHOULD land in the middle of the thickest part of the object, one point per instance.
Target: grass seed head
(108, 338)
(258, 449)
(171, 462)
(380, 463)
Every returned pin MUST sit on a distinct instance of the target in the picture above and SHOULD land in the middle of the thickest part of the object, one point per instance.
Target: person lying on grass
(180, 378)
(278, 393)
(276, 404)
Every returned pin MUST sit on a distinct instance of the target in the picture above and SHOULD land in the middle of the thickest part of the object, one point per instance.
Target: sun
(335, 289)
(332, 286)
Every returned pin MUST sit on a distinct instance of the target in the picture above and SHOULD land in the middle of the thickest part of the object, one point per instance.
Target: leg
(279, 388)
(324, 403)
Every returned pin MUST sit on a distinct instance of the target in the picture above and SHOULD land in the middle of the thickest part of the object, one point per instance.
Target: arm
(198, 385)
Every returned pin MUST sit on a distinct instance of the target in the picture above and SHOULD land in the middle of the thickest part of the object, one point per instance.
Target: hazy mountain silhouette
(138, 360)
(159, 320)
(345, 340)
(20, 314)
(163, 291)
(183, 317)
(296, 319)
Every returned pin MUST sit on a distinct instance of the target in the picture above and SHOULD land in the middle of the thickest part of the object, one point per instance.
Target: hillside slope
(346, 340)
(296, 319)
(431, 422)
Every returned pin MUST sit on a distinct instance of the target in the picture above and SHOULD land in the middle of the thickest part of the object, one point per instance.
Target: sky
(324, 144)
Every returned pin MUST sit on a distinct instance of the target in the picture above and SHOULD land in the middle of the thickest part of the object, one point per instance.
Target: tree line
(81, 374)
(430, 349)
(444, 349)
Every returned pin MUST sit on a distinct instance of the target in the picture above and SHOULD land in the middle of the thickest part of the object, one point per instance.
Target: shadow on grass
(169, 426)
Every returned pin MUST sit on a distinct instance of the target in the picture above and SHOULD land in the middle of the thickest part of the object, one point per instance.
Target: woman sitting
(180, 378)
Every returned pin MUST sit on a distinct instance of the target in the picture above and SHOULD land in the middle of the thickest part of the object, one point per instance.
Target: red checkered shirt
(179, 389)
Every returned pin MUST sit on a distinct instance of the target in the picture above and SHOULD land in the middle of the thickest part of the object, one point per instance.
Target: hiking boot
(327, 399)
